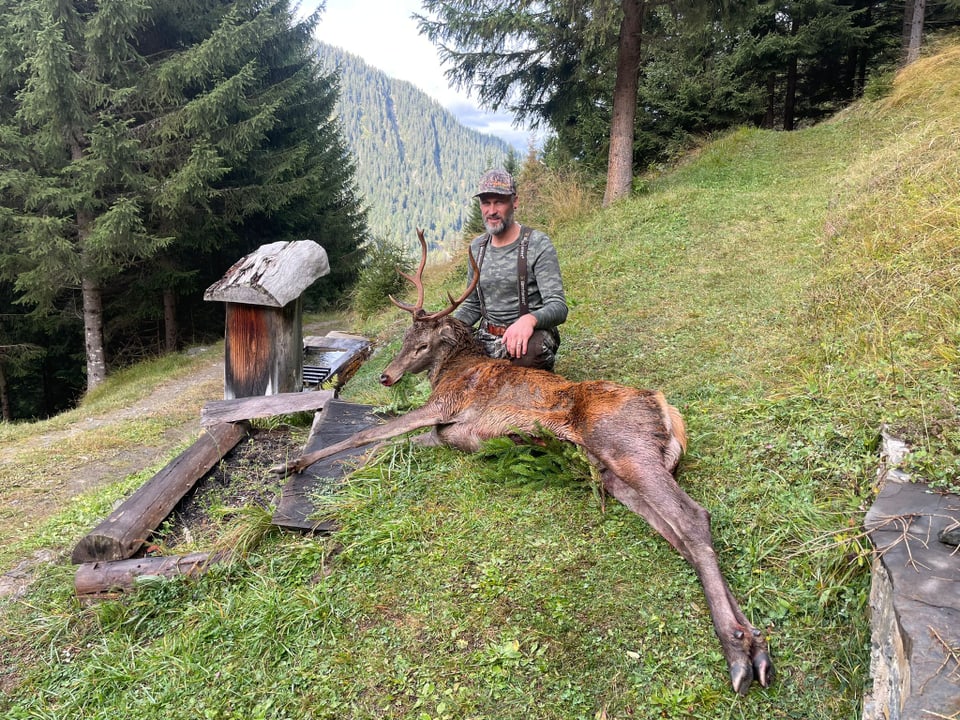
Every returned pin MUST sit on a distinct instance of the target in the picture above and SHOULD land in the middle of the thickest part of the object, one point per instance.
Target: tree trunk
(93, 333)
(4, 396)
(620, 160)
(92, 296)
(913, 19)
(770, 117)
(790, 94)
(170, 320)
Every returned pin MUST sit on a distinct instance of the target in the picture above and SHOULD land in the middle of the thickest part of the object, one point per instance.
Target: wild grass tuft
(553, 198)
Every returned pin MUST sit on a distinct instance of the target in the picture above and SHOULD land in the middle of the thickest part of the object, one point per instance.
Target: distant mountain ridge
(417, 165)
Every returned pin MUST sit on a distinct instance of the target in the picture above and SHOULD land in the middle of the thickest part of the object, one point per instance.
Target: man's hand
(517, 335)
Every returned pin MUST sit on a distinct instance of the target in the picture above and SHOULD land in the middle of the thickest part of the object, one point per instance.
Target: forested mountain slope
(416, 164)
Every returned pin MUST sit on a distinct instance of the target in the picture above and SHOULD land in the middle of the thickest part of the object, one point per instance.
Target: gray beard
(500, 227)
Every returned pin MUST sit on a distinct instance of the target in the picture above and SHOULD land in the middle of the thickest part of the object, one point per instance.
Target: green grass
(791, 294)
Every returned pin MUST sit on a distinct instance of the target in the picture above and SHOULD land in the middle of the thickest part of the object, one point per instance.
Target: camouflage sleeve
(545, 283)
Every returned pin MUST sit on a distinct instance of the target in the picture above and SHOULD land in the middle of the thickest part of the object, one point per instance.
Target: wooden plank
(221, 411)
(103, 578)
(130, 525)
(338, 421)
(335, 341)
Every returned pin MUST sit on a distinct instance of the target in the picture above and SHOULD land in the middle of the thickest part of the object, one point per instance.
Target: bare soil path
(42, 475)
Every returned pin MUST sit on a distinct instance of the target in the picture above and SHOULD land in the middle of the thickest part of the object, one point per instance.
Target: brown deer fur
(633, 436)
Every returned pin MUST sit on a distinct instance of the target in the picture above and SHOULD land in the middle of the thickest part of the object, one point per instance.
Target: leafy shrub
(379, 277)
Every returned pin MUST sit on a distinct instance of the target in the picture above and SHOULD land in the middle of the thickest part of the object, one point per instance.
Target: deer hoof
(743, 672)
(741, 675)
(284, 470)
(763, 668)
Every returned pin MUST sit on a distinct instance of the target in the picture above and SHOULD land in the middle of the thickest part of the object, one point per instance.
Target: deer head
(423, 343)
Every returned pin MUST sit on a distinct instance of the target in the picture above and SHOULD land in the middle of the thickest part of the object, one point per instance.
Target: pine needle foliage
(139, 139)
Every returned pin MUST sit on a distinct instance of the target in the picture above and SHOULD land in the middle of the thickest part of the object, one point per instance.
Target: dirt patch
(242, 479)
(89, 453)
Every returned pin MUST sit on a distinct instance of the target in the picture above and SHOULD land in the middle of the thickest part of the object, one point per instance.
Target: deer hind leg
(653, 494)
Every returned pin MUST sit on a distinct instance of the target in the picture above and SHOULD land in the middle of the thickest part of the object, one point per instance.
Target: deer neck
(455, 358)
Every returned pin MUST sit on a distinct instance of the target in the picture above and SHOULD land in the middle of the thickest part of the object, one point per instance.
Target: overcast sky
(385, 35)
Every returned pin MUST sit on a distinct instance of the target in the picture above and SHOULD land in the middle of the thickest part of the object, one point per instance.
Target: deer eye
(423, 348)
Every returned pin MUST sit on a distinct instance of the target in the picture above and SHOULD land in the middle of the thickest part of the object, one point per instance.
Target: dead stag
(634, 437)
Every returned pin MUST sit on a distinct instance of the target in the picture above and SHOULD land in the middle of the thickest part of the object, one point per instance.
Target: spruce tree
(139, 134)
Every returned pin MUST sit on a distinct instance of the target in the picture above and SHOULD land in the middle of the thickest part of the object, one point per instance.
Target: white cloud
(385, 35)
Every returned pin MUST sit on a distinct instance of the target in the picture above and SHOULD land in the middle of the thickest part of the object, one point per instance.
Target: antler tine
(454, 304)
(417, 281)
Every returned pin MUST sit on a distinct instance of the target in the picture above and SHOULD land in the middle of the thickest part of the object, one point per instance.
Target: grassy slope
(790, 293)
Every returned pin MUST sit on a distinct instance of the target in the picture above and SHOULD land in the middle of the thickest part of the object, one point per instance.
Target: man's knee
(541, 350)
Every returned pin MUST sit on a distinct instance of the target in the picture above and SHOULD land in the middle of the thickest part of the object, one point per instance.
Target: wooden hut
(263, 293)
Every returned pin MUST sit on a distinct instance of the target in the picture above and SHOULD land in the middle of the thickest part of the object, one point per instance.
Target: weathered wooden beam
(102, 578)
(273, 275)
(130, 525)
(221, 411)
(297, 505)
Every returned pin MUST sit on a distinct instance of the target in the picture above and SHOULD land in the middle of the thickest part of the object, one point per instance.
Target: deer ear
(448, 334)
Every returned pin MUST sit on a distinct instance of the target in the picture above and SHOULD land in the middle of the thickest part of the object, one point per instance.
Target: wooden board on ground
(105, 578)
(335, 354)
(130, 525)
(338, 421)
(248, 408)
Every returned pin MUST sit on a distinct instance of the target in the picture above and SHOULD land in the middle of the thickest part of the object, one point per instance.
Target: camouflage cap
(496, 182)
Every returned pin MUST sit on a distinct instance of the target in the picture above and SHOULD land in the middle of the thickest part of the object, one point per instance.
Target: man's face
(497, 212)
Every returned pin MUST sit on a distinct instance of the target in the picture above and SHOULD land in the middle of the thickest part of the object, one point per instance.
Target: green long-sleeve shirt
(498, 283)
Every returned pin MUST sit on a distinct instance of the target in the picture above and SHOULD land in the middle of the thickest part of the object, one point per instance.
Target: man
(519, 301)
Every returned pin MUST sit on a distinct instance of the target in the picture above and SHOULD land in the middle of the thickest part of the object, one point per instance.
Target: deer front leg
(655, 496)
(413, 420)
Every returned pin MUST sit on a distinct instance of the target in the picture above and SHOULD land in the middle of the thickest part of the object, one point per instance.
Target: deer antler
(417, 281)
(417, 310)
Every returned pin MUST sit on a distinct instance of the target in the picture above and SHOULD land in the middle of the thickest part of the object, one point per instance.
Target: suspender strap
(521, 270)
(483, 251)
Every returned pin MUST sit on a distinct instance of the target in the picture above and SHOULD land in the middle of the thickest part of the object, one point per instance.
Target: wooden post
(263, 352)
(130, 525)
(264, 337)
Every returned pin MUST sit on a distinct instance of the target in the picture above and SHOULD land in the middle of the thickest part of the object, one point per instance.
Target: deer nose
(386, 380)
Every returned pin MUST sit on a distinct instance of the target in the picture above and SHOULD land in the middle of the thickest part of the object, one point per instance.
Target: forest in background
(416, 164)
(791, 293)
(144, 149)
(387, 160)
